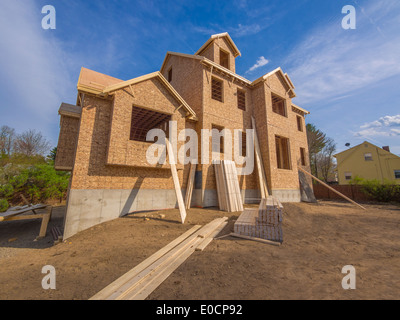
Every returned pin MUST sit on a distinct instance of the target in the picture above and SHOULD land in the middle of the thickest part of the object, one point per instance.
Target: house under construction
(103, 137)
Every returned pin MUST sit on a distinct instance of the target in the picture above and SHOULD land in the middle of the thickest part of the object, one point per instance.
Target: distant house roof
(365, 142)
(235, 49)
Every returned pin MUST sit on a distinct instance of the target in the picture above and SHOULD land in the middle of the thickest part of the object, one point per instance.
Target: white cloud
(381, 127)
(260, 63)
(332, 61)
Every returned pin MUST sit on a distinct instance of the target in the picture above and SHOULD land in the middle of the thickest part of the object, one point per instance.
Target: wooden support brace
(330, 188)
(175, 177)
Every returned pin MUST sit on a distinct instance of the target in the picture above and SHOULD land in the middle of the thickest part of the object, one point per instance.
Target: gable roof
(205, 61)
(225, 35)
(283, 76)
(357, 146)
(158, 75)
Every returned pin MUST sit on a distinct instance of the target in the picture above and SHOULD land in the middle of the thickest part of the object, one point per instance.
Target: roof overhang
(70, 110)
(300, 109)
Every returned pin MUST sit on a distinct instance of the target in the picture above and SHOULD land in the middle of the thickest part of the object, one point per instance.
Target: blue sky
(348, 79)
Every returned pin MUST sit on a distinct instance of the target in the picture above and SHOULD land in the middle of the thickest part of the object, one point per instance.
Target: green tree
(316, 142)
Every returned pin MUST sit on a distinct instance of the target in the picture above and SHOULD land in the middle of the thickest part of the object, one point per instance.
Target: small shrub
(382, 192)
(3, 205)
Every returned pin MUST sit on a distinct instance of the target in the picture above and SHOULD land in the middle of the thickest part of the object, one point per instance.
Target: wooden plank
(45, 222)
(211, 237)
(143, 289)
(217, 180)
(330, 188)
(189, 188)
(24, 209)
(175, 177)
(255, 239)
(237, 187)
(146, 276)
(110, 289)
(262, 180)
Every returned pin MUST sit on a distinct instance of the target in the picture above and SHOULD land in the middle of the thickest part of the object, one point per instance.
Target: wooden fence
(353, 192)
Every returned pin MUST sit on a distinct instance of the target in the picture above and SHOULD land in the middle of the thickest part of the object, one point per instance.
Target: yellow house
(369, 162)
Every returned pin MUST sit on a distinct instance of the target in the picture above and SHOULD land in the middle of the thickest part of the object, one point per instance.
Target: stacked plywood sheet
(228, 190)
(264, 222)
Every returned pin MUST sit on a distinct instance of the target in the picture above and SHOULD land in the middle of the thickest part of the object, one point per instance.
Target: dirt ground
(319, 239)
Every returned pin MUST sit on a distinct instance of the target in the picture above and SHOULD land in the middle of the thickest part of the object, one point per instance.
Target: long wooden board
(262, 180)
(143, 289)
(177, 185)
(113, 287)
(144, 278)
(330, 188)
(189, 188)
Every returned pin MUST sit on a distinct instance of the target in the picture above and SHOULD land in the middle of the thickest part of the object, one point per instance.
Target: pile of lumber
(228, 190)
(142, 280)
(264, 222)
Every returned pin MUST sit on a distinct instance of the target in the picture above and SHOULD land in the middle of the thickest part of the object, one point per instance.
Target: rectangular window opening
(216, 89)
(348, 175)
(241, 97)
(170, 74)
(397, 174)
(368, 156)
(282, 153)
(299, 123)
(244, 141)
(143, 120)
(224, 59)
(278, 105)
(303, 156)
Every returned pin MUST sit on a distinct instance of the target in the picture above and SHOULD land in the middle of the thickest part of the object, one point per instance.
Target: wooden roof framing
(157, 74)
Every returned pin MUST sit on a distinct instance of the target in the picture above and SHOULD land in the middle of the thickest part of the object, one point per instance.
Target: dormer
(220, 49)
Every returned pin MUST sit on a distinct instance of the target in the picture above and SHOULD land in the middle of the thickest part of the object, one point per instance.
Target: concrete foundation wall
(87, 208)
(287, 195)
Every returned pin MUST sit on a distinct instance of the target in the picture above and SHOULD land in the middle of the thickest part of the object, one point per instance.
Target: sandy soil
(319, 239)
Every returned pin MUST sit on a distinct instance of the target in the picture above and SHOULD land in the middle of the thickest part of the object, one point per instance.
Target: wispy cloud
(260, 63)
(332, 61)
(240, 30)
(35, 66)
(388, 126)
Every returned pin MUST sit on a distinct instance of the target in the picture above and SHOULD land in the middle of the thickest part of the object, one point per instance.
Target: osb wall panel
(150, 94)
(225, 114)
(223, 44)
(187, 75)
(91, 170)
(277, 85)
(260, 117)
(285, 126)
(212, 52)
(67, 141)
(187, 80)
